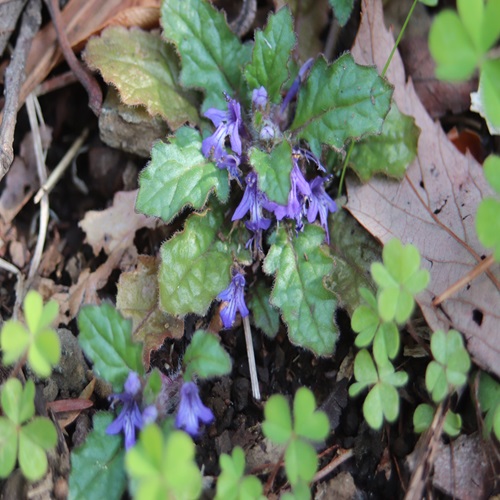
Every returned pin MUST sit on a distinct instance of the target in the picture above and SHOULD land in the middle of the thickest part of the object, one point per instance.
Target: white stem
(251, 359)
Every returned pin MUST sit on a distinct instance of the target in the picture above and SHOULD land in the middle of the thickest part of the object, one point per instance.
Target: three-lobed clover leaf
(487, 220)
(382, 402)
(424, 414)
(163, 467)
(489, 399)
(232, 483)
(450, 367)
(23, 437)
(399, 279)
(37, 340)
(301, 461)
(205, 357)
(370, 328)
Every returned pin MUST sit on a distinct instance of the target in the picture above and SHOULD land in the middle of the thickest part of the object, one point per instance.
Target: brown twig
(83, 75)
(333, 465)
(476, 271)
(14, 77)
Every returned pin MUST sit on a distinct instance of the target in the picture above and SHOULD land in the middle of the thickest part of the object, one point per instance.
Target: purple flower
(310, 157)
(253, 201)
(228, 123)
(320, 203)
(299, 191)
(130, 417)
(234, 298)
(296, 84)
(259, 98)
(192, 412)
(231, 164)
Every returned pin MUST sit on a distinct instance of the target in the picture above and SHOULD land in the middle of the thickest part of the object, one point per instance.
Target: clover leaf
(37, 341)
(23, 437)
(450, 367)
(163, 468)
(399, 279)
(489, 399)
(424, 414)
(232, 484)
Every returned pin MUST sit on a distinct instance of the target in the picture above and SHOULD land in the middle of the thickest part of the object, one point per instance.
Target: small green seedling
(23, 437)
(489, 399)
(382, 401)
(422, 419)
(36, 341)
(308, 424)
(232, 483)
(163, 468)
(370, 328)
(399, 279)
(487, 219)
(448, 371)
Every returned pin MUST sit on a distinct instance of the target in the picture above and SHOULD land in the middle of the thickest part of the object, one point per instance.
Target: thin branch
(251, 359)
(14, 77)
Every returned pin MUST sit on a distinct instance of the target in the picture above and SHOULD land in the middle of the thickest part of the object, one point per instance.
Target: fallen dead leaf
(433, 207)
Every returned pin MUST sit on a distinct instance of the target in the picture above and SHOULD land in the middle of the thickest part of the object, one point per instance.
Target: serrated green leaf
(277, 425)
(271, 54)
(489, 77)
(145, 70)
(340, 101)
(106, 337)
(97, 469)
(342, 10)
(451, 47)
(211, 54)
(195, 265)
(307, 307)
(177, 177)
(309, 423)
(389, 153)
(264, 316)
(274, 171)
(205, 357)
(8, 446)
(301, 461)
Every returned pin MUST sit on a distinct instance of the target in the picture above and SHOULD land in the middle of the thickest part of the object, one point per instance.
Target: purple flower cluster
(131, 418)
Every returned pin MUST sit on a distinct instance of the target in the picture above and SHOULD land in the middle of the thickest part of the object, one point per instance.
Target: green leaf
(179, 176)
(106, 338)
(389, 153)
(8, 446)
(306, 305)
(339, 102)
(145, 70)
(489, 78)
(164, 469)
(274, 171)
(491, 170)
(301, 461)
(382, 402)
(45, 352)
(386, 342)
(490, 29)
(195, 265)
(422, 418)
(42, 432)
(205, 357)
(365, 322)
(18, 402)
(342, 10)
(14, 341)
(488, 225)
(211, 54)
(452, 424)
(435, 381)
(489, 399)
(430, 3)
(471, 14)
(451, 47)
(364, 368)
(97, 466)
(277, 425)
(271, 54)
(308, 422)
(264, 316)
(32, 458)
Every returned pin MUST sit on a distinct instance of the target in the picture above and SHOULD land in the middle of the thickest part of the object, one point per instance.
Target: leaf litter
(433, 208)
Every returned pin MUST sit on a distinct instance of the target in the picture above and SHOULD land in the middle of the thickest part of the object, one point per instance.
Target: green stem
(389, 59)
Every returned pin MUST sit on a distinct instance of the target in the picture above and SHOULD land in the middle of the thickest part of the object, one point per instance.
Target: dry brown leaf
(82, 19)
(433, 208)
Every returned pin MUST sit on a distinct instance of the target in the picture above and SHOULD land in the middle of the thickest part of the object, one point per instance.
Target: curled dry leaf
(433, 207)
